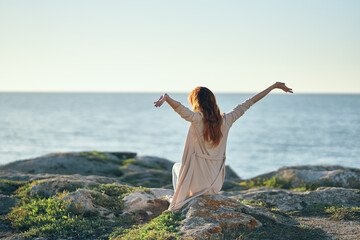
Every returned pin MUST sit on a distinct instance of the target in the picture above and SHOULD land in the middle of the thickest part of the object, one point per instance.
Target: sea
(280, 130)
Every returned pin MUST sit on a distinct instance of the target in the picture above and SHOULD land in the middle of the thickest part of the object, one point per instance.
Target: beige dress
(202, 170)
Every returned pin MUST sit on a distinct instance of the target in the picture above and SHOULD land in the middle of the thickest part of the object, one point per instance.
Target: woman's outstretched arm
(168, 99)
(262, 94)
(183, 111)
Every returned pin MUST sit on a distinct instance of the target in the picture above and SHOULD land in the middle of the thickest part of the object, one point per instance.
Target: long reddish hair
(203, 100)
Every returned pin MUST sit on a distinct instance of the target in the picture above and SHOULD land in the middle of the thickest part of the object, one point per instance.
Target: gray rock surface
(119, 167)
(287, 200)
(59, 183)
(6, 203)
(207, 217)
(84, 163)
(323, 175)
(152, 202)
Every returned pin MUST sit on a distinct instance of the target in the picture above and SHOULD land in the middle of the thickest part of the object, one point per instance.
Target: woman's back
(202, 169)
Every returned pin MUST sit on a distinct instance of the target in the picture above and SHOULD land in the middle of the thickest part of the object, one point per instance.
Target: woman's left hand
(283, 87)
(161, 100)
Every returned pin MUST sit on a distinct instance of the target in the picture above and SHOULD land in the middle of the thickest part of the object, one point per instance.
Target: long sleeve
(238, 111)
(187, 114)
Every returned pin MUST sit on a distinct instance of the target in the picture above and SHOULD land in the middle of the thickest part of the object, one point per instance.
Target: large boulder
(287, 200)
(321, 175)
(51, 186)
(84, 163)
(210, 217)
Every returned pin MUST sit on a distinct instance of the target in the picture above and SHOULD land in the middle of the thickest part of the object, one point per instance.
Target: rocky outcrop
(119, 167)
(287, 200)
(323, 175)
(83, 163)
(212, 217)
(59, 183)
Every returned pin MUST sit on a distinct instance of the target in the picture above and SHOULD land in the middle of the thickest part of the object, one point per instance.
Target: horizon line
(174, 92)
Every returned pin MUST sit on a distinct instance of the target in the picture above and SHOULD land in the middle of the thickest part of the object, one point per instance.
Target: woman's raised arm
(169, 100)
(262, 94)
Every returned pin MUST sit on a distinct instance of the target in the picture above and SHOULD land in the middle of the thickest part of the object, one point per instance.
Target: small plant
(333, 212)
(114, 189)
(274, 182)
(161, 227)
(343, 213)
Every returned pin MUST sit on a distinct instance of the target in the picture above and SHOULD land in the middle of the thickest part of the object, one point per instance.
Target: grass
(333, 212)
(53, 218)
(161, 227)
(343, 213)
(282, 183)
(274, 182)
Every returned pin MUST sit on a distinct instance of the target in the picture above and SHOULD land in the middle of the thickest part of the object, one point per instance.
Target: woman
(202, 170)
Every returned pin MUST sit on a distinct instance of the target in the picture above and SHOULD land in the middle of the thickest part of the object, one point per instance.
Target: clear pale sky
(174, 46)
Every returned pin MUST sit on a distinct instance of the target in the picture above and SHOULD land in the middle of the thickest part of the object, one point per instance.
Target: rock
(323, 175)
(6, 203)
(147, 178)
(156, 163)
(287, 200)
(84, 163)
(49, 187)
(152, 203)
(230, 174)
(231, 181)
(208, 217)
(126, 167)
(82, 202)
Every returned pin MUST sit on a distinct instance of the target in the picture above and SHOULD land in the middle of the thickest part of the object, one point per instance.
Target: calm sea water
(280, 130)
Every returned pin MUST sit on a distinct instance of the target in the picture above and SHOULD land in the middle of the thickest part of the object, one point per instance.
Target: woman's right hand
(283, 87)
(161, 100)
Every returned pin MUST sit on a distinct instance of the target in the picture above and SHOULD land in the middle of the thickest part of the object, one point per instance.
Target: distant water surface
(280, 130)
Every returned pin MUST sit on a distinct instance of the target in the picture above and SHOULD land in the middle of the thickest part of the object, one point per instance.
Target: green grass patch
(274, 182)
(51, 217)
(100, 156)
(343, 213)
(161, 227)
(332, 212)
(282, 183)
(114, 189)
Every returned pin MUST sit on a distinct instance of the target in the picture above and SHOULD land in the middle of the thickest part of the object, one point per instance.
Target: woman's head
(203, 100)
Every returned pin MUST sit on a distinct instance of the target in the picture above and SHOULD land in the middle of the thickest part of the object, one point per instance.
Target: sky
(173, 46)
